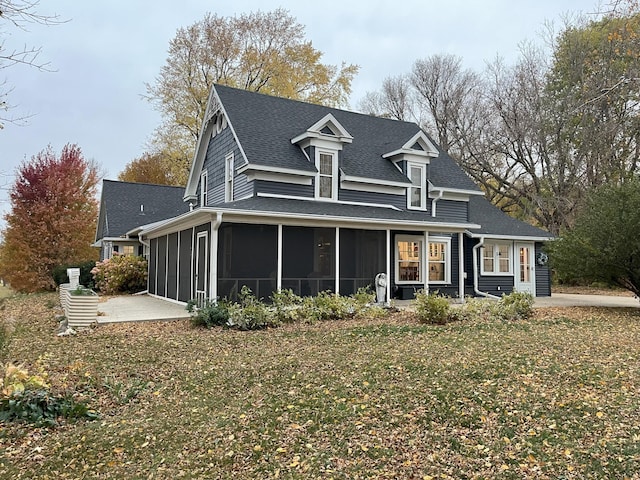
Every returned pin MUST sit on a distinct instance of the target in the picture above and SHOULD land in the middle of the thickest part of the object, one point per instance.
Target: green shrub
(432, 308)
(287, 307)
(41, 408)
(211, 314)
(515, 306)
(364, 297)
(472, 309)
(121, 274)
(328, 306)
(250, 313)
(27, 398)
(86, 277)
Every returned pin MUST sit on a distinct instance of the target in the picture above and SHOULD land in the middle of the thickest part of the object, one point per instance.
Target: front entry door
(201, 267)
(525, 276)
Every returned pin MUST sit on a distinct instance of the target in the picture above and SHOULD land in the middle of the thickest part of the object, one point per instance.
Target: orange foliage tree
(150, 168)
(52, 220)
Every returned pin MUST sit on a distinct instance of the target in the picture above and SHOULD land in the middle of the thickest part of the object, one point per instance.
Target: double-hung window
(439, 260)
(327, 179)
(417, 196)
(496, 259)
(409, 259)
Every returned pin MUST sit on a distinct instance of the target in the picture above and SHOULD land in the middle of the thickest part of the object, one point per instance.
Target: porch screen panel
(172, 266)
(362, 257)
(247, 255)
(153, 271)
(184, 269)
(162, 266)
(308, 259)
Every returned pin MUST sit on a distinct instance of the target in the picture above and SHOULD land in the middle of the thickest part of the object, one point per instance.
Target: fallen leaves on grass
(554, 396)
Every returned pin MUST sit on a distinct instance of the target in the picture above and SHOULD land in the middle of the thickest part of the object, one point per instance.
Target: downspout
(476, 290)
(434, 201)
(213, 260)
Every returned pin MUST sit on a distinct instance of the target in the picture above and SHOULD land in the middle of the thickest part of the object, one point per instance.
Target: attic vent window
(327, 131)
(417, 146)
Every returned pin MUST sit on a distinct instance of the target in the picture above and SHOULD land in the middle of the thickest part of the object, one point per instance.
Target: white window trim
(447, 261)
(496, 260)
(423, 186)
(421, 259)
(229, 174)
(334, 174)
(203, 189)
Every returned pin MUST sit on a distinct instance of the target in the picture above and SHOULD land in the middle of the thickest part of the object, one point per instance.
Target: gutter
(476, 290)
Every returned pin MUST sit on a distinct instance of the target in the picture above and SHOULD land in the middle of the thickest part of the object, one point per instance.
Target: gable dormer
(325, 133)
(418, 149)
(412, 158)
(321, 142)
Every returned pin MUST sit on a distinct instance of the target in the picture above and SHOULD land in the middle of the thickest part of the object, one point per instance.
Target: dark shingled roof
(120, 206)
(495, 222)
(336, 210)
(265, 126)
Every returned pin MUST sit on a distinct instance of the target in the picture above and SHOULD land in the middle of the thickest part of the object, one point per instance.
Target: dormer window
(417, 192)
(327, 178)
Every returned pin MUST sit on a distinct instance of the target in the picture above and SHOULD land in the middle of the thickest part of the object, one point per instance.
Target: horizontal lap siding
(398, 201)
(281, 188)
(452, 210)
(543, 276)
(219, 147)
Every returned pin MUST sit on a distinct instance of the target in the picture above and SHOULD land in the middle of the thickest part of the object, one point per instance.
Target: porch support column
(213, 258)
(425, 256)
(337, 254)
(388, 299)
(279, 269)
(461, 266)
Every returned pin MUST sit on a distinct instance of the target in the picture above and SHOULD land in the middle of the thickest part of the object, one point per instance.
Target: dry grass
(553, 397)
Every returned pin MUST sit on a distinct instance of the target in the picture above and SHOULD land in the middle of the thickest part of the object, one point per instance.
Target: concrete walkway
(137, 308)
(580, 300)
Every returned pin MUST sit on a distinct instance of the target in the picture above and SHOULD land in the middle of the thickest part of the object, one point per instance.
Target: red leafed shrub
(121, 274)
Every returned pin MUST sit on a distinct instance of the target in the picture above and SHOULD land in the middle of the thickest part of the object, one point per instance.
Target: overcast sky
(106, 51)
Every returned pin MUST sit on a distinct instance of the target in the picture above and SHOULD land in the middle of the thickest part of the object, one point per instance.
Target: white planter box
(81, 310)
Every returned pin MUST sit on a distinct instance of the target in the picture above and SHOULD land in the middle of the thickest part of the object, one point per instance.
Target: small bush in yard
(121, 274)
(287, 306)
(515, 306)
(432, 308)
(27, 398)
(329, 306)
(250, 313)
(211, 314)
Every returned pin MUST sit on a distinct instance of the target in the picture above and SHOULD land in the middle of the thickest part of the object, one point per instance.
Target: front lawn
(557, 396)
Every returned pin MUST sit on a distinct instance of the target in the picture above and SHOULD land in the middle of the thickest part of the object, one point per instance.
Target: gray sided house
(125, 206)
(291, 195)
